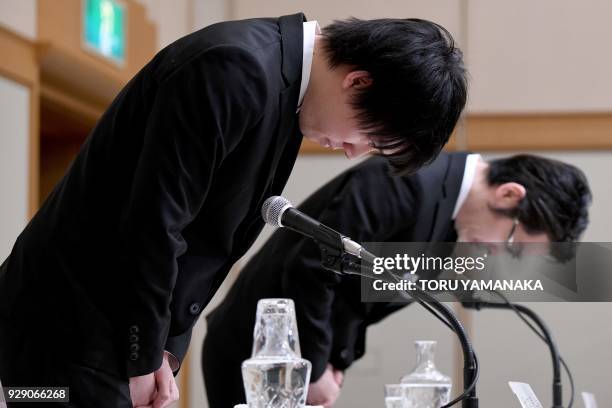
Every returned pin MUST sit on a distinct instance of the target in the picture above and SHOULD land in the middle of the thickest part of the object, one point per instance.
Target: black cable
(426, 306)
(467, 391)
(334, 260)
(543, 338)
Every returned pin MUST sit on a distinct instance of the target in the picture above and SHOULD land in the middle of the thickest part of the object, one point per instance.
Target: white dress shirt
(311, 29)
(469, 173)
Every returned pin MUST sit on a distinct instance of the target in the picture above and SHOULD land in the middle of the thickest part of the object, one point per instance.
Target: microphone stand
(337, 261)
(557, 387)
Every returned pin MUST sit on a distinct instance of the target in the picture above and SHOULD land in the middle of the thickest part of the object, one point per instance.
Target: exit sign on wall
(104, 28)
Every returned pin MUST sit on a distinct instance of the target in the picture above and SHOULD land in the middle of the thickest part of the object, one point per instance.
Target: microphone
(277, 211)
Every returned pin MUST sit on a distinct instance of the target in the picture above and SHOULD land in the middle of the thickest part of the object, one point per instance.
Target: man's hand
(338, 376)
(142, 390)
(154, 390)
(326, 390)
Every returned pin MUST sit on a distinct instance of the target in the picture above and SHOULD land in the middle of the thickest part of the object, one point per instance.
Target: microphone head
(273, 208)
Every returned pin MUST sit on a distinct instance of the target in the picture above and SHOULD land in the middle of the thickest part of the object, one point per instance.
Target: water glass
(394, 396)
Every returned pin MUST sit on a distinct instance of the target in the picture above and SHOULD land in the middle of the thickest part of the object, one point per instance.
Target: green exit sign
(104, 28)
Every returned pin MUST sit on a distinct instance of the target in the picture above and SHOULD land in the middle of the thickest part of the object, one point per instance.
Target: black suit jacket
(162, 199)
(364, 203)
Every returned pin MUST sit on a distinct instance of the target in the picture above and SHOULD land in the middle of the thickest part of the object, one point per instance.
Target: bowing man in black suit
(103, 286)
(457, 197)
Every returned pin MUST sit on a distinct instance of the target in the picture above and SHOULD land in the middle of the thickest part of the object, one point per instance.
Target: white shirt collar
(311, 29)
(469, 173)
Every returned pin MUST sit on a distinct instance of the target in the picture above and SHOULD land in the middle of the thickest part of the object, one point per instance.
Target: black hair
(418, 90)
(557, 199)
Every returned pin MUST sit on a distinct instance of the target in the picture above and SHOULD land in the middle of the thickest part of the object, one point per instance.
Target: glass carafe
(425, 386)
(276, 376)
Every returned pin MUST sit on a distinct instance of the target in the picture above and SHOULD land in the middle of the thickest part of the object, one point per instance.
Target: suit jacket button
(345, 354)
(134, 347)
(133, 329)
(134, 356)
(194, 308)
(133, 338)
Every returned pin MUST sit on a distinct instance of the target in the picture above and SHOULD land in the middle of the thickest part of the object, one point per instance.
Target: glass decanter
(276, 376)
(425, 386)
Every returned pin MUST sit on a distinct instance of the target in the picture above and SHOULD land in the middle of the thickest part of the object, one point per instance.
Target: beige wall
(523, 56)
(447, 13)
(172, 18)
(209, 12)
(545, 55)
(19, 16)
(14, 161)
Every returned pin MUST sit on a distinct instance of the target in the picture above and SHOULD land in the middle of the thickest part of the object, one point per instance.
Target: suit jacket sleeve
(351, 317)
(366, 208)
(200, 112)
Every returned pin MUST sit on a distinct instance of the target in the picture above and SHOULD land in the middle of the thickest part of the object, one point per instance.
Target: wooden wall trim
(18, 61)
(549, 131)
(69, 67)
(75, 72)
(522, 132)
(183, 381)
(81, 109)
(59, 24)
(34, 162)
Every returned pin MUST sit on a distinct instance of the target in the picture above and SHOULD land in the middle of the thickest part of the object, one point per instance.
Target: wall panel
(539, 56)
(14, 161)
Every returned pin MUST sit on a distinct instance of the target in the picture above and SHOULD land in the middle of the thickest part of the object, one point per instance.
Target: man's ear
(357, 80)
(508, 195)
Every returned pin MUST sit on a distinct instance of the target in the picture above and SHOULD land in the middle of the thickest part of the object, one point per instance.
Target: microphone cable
(521, 315)
(470, 388)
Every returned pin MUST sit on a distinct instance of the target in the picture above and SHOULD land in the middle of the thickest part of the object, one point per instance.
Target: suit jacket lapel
(288, 137)
(292, 46)
(448, 198)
